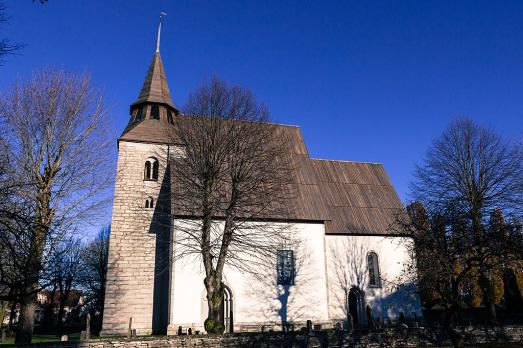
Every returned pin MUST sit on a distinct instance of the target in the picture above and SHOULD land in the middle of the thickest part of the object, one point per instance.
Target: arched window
(151, 169)
(170, 117)
(138, 116)
(374, 270)
(155, 170)
(155, 112)
(147, 173)
(149, 203)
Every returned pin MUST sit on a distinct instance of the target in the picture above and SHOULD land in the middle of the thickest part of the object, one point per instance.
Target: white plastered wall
(258, 301)
(347, 266)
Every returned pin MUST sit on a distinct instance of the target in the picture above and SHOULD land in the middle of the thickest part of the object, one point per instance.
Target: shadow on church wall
(160, 226)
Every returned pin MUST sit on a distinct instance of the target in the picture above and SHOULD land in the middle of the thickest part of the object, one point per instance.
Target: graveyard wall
(502, 336)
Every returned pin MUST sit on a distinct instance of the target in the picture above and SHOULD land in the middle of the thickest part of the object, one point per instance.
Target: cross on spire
(159, 31)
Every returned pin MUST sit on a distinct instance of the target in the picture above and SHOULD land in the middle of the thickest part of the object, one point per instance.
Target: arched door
(357, 305)
(228, 310)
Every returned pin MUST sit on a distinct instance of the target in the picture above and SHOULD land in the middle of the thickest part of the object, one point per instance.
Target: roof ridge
(344, 161)
(271, 123)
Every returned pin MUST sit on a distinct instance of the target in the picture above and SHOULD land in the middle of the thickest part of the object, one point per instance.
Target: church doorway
(356, 305)
(227, 308)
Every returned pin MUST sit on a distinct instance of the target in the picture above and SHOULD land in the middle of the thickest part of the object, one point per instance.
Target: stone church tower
(138, 268)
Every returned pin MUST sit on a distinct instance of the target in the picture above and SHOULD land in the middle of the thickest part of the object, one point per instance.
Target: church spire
(155, 88)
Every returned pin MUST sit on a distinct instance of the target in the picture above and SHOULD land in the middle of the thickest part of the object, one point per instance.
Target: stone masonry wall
(132, 247)
(512, 335)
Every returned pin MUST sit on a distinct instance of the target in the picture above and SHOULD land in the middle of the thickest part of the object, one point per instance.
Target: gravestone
(88, 327)
(414, 319)
(401, 318)
(82, 335)
(64, 338)
(309, 326)
(3, 336)
(189, 332)
(350, 322)
(370, 319)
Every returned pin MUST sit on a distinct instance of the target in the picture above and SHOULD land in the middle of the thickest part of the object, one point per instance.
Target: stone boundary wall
(329, 338)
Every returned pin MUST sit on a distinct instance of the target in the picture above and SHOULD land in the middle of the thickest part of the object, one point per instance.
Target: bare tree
(93, 276)
(468, 173)
(57, 145)
(473, 170)
(234, 173)
(6, 46)
(65, 267)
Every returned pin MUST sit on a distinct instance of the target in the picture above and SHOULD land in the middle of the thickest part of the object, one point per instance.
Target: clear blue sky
(367, 81)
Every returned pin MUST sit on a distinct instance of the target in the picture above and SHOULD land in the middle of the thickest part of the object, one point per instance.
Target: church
(348, 263)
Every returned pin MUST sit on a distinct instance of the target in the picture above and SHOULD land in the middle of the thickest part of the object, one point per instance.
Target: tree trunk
(451, 316)
(214, 323)
(60, 323)
(44, 215)
(12, 315)
(488, 297)
(450, 327)
(48, 312)
(25, 326)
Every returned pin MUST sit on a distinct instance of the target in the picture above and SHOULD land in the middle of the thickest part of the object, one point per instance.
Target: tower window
(374, 271)
(138, 116)
(155, 112)
(170, 117)
(285, 267)
(149, 203)
(151, 169)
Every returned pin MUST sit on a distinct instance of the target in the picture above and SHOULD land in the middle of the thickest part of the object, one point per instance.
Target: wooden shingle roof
(155, 88)
(355, 198)
(358, 196)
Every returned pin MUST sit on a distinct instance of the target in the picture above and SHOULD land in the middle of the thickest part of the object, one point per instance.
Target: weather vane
(162, 14)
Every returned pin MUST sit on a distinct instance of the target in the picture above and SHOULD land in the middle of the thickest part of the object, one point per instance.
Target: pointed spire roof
(155, 88)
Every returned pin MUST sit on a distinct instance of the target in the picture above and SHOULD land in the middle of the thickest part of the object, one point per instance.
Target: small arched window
(155, 112)
(149, 203)
(138, 116)
(170, 117)
(151, 169)
(374, 270)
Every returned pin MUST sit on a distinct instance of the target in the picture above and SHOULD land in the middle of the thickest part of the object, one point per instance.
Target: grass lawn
(75, 336)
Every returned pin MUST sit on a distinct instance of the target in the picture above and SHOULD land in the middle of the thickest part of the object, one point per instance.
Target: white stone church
(348, 258)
